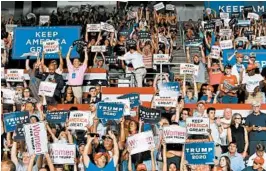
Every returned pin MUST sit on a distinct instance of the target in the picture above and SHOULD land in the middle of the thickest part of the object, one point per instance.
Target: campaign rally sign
(30, 39)
(93, 27)
(170, 89)
(174, 134)
(78, 120)
(51, 46)
(133, 99)
(62, 153)
(261, 40)
(165, 101)
(98, 48)
(253, 16)
(107, 27)
(170, 7)
(260, 56)
(144, 35)
(259, 7)
(19, 133)
(159, 6)
(186, 68)
(149, 115)
(198, 126)
(209, 26)
(8, 96)
(141, 142)
(160, 58)
(47, 88)
(225, 32)
(226, 44)
(15, 75)
(10, 27)
(224, 15)
(126, 103)
(57, 116)
(199, 153)
(108, 110)
(14, 118)
(44, 19)
(193, 42)
(243, 23)
(36, 138)
(215, 52)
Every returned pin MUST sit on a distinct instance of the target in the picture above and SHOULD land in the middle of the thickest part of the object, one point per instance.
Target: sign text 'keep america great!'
(30, 39)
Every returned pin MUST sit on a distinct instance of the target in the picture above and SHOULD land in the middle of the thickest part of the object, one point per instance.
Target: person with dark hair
(238, 133)
(8, 165)
(136, 59)
(92, 96)
(68, 97)
(236, 159)
(260, 152)
(224, 164)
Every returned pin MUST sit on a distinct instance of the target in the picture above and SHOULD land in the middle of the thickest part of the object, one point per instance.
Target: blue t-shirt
(109, 167)
(257, 120)
(205, 98)
(190, 101)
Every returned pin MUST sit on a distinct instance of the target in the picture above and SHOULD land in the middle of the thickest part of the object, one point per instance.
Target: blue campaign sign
(133, 98)
(199, 153)
(30, 39)
(12, 119)
(259, 7)
(173, 86)
(57, 116)
(260, 56)
(110, 111)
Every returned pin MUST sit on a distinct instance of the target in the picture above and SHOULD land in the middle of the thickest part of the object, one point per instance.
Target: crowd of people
(139, 34)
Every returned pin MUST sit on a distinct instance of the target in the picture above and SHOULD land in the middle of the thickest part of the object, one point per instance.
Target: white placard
(78, 120)
(62, 153)
(44, 19)
(160, 58)
(225, 32)
(47, 88)
(107, 27)
(126, 103)
(159, 6)
(15, 75)
(174, 134)
(253, 16)
(215, 52)
(36, 138)
(186, 68)
(8, 96)
(244, 39)
(224, 15)
(140, 142)
(93, 27)
(98, 48)
(170, 7)
(197, 125)
(10, 27)
(226, 44)
(30, 54)
(261, 40)
(51, 46)
(226, 22)
(165, 101)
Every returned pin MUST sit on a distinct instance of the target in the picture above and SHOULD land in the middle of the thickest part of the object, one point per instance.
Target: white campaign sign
(93, 27)
(174, 134)
(253, 16)
(197, 125)
(170, 7)
(225, 32)
(261, 40)
(62, 153)
(78, 120)
(98, 48)
(15, 75)
(186, 68)
(47, 88)
(160, 58)
(226, 44)
(8, 96)
(159, 6)
(215, 52)
(224, 15)
(36, 138)
(165, 101)
(10, 27)
(44, 19)
(107, 27)
(140, 142)
(51, 46)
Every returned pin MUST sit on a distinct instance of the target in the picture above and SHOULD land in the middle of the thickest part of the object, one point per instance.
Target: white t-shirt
(236, 71)
(252, 82)
(215, 133)
(135, 58)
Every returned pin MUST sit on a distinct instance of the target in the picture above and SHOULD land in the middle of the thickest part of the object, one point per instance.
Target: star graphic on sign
(99, 82)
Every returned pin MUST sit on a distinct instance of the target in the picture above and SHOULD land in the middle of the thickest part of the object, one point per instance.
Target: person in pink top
(76, 73)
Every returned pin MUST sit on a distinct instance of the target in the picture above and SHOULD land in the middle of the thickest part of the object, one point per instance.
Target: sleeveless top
(238, 136)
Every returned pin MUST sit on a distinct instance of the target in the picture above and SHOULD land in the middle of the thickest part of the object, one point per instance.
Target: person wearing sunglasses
(238, 133)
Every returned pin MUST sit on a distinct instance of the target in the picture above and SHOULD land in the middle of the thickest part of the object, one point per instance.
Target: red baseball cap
(259, 160)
